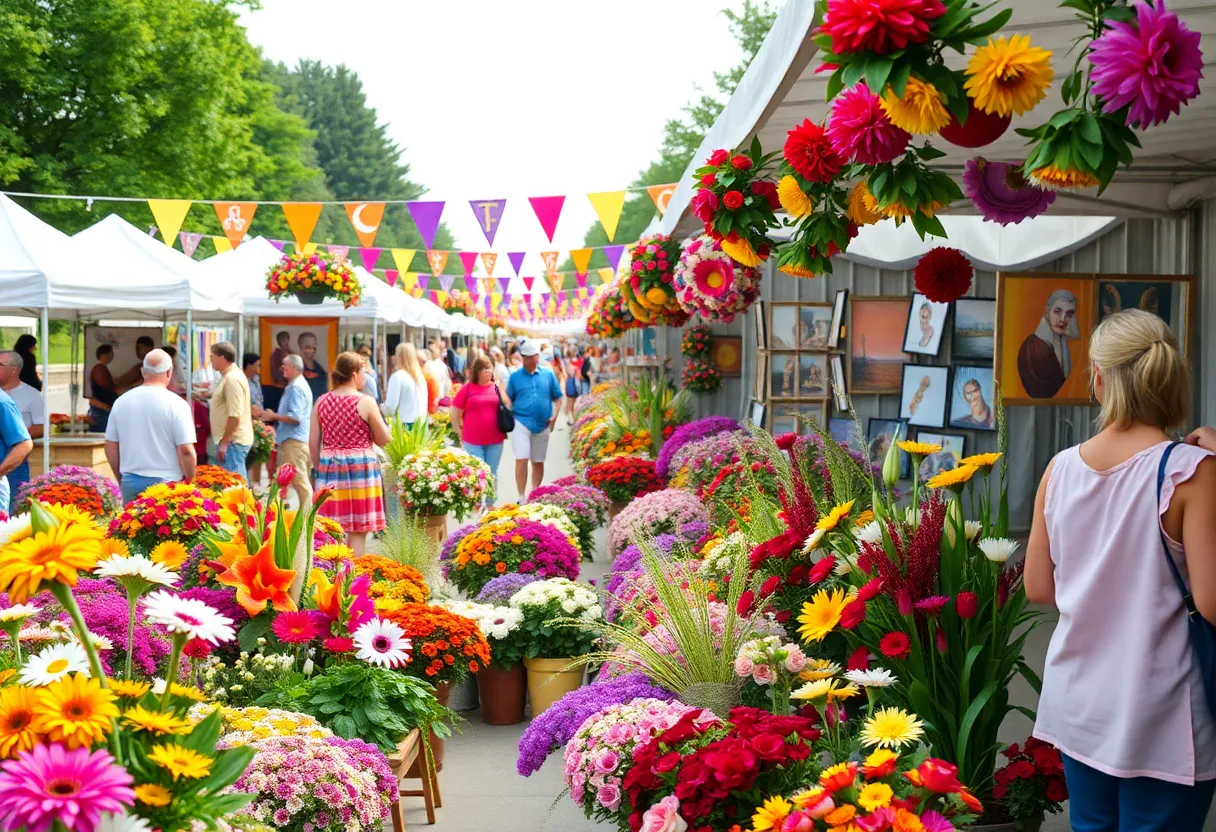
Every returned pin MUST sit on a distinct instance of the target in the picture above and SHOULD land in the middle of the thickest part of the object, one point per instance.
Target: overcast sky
(513, 98)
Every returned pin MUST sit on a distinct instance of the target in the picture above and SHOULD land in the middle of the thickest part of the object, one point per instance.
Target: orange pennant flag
(550, 260)
(488, 259)
(301, 219)
(488, 284)
(581, 258)
(661, 194)
(437, 259)
(235, 217)
(365, 217)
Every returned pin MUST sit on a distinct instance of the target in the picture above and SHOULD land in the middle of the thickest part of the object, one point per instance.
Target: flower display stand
(443, 693)
(408, 762)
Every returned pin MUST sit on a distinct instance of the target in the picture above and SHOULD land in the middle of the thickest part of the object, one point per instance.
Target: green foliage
(404, 441)
(406, 542)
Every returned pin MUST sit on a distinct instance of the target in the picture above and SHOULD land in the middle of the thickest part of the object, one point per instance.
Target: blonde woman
(501, 372)
(1122, 698)
(407, 391)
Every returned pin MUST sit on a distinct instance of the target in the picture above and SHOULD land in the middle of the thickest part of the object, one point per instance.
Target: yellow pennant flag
(608, 207)
(169, 214)
(581, 258)
(302, 220)
(403, 257)
(408, 280)
(606, 274)
(221, 244)
(310, 248)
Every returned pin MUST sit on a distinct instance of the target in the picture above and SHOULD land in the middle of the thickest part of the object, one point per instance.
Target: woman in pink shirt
(475, 414)
(1122, 696)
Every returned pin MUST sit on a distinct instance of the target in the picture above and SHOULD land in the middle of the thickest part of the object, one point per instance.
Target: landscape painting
(876, 337)
(974, 335)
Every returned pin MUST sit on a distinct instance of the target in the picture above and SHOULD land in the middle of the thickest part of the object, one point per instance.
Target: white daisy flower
(869, 533)
(844, 565)
(189, 616)
(876, 677)
(382, 643)
(101, 643)
(122, 822)
(18, 612)
(10, 527)
(130, 569)
(53, 663)
(812, 542)
(972, 529)
(998, 549)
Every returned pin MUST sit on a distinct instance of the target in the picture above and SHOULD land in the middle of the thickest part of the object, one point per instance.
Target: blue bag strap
(1187, 599)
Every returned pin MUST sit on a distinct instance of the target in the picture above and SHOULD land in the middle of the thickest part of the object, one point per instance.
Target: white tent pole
(375, 351)
(44, 341)
(240, 338)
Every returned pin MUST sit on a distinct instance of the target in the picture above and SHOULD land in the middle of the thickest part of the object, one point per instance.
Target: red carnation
(741, 162)
(853, 614)
(798, 574)
(767, 190)
(967, 604)
(718, 158)
(786, 441)
(1056, 790)
(859, 659)
(870, 590)
(895, 645)
(878, 26)
(810, 153)
(943, 275)
(733, 200)
(770, 586)
(821, 570)
(744, 607)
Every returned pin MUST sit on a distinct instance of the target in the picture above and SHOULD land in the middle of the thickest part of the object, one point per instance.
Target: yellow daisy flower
(891, 728)
(741, 251)
(980, 460)
(918, 448)
(817, 669)
(17, 706)
(170, 553)
(844, 692)
(921, 110)
(57, 555)
(111, 547)
(954, 479)
(70, 514)
(1053, 178)
(813, 691)
(156, 722)
(838, 513)
(1008, 76)
(793, 199)
(150, 794)
(771, 814)
(875, 796)
(863, 207)
(180, 761)
(821, 614)
(188, 692)
(75, 710)
(127, 689)
(809, 797)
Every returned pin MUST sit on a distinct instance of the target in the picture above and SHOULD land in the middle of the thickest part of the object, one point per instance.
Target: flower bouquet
(176, 512)
(512, 545)
(623, 478)
(59, 422)
(393, 583)
(659, 512)
(312, 278)
(458, 301)
(544, 602)
(701, 377)
(772, 663)
(214, 479)
(613, 313)
(550, 515)
(587, 508)
(263, 443)
(710, 284)
(446, 647)
(737, 204)
(446, 481)
(1031, 784)
(652, 274)
(71, 485)
(696, 341)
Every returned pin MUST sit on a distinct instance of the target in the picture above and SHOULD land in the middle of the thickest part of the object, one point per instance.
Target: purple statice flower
(500, 589)
(691, 432)
(103, 604)
(660, 512)
(550, 731)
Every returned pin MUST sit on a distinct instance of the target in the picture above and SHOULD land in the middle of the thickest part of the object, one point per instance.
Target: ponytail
(1145, 379)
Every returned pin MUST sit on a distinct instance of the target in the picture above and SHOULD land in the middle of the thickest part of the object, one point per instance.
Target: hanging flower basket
(312, 278)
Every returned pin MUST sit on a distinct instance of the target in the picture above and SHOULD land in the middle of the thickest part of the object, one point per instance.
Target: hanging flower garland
(611, 315)
(737, 203)
(709, 283)
(696, 341)
(458, 300)
(312, 278)
(701, 376)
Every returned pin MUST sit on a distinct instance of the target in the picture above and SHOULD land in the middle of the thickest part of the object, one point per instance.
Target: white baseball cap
(529, 348)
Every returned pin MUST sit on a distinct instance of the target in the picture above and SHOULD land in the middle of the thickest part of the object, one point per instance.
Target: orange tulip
(257, 580)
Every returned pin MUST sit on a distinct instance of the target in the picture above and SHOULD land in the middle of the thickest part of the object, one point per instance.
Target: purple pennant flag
(468, 259)
(446, 281)
(517, 260)
(488, 213)
(426, 216)
(339, 252)
(423, 279)
(613, 253)
(503, 283)
(190, 242)
(369, 257)
(582, 281)
(473, 296)
(486, 304)
(561, 296)
(152, 229)
(506, 298)
(278, 244)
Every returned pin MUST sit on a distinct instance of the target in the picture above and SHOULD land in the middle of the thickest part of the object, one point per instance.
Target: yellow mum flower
(75, 710)
(741, 251)
(796, 270)
(180, 761)
(875, 796)
(1008, 76)
(156, 722)
(170, 553)
(817, 669)
(900, 212)
(921, 110)
(891, 728)
(844, 692)
(110, 547)
(838, 513)
(150, 794)
(954, 479)
(918, 448)
(980, 460)
(793, 199)
(126, 689)
(771, 814)
(1053, 178)
(863, 207)
(821, 614)
(57, 555)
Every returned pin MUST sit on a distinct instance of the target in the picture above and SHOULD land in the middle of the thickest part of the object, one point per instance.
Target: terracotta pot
(443, 692)
(503, 694)
(436, 527)
(464, 696)
(549, 681)
(615, 508)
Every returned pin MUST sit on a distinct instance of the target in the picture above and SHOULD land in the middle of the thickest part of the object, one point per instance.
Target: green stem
(15, 635)
(175, 657)
(132, 602)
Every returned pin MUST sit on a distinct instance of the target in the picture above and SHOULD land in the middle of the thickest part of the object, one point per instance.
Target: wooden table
(88, 450)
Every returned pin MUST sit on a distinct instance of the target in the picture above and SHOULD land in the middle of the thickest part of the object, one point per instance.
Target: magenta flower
(933, 604)
(51, 784)
(714, 277)
(298, 626)
(860, 130)
(1153, 64)
(1001, 194)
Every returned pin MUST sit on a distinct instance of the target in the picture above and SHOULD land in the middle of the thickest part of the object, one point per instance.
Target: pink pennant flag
(517, 260)
(489, 214)
(339, 252)
(468, 259)
(390, 277)
(190, 242)
(548, 210)
(426, 216)
(613, 253)
(369, 256)
(582, 281)
(528, 281)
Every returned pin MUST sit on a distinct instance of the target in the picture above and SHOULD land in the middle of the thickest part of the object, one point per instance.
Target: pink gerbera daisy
(714, 277)
(932, 605)
(861, 131)
(298, 626)
(51, 783)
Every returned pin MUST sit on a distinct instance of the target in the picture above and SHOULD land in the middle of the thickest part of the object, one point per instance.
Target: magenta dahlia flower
(860, 130)
(714, 277)
(51, 783)
(879, 26)
(1153, 64)
(1001, 194)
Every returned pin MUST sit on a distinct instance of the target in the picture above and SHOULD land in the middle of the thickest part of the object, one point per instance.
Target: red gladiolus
(733, 200)
(967, 604)
(895, 645)
(939, 639)
(718, 157)
(853, 614)
(746, 600)
(285, 474)
(741, 162)
(859, 659)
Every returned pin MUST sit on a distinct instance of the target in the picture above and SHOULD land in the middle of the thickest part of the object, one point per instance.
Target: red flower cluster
(1039, 764)
(701, 377)
(943, 274)
(736, 203)
(809, 152)
(623, 478)
(696, 340)
(878, 26)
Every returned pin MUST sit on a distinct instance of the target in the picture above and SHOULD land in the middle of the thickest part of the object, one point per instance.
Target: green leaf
(853, 72)
(228, 766)
(972, 714)
(254, 629)
(1083, 6)
(1064, 117)
(928, 153)
(835, 84)
(1123, 14)
(899, 77)
(986, 29)
(755, 150)
(933, 227)
(1089, 130)
(1030, 676)
(1063, 159)
(877, 71)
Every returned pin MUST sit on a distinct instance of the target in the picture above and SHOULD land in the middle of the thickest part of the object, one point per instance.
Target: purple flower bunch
(586, 506)
(660, 512)
(701, 460)
(103, 604)
(512, 544)
(498, 591)
(550, 731)
(448, 550)
(86, 478)
(691, 432)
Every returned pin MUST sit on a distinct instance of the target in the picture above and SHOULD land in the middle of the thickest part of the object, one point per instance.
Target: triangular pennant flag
(487, 285)
(445, 280)
(548, 210)
(582, 280)
(423, 280)
(426, 216)
(190, 242)
(468, 259)
(528, 281)
(235, 217)
(409, 281)
(438, 260)
(488, 213)
(606, 274)
(661, 194)
(369, 256)
(504, 283)
(517, 260)
(613, 253)
(310, 248)
(339, 252)
(582, 259)
(366, 218)
(221, 244)
(550, 260)
(402, 258)
(390, 276)
(608, 205)
(279, 244)
(169, 214)
(489, 259)
(302, 220)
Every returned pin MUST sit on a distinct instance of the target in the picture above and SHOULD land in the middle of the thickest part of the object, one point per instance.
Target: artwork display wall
(798, 374)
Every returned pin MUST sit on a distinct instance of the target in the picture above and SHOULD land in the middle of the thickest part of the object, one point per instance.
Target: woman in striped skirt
(345, 424)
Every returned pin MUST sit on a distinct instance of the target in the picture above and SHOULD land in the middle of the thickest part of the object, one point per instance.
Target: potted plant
(311, 278)
(512, 544)
(1029, 786)
(501, 685)
(623, 478)
(435, 483)
(553, 651)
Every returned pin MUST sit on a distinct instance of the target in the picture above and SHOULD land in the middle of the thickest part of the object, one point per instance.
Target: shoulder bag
(506, 416)
(1203, 634)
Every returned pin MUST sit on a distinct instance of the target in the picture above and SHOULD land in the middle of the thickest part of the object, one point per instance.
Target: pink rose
(795, 661)
(607, 762)
(825, 805)
(609, 797)
(704, 204)
(664, 816)
(744, 666)
(763, 674)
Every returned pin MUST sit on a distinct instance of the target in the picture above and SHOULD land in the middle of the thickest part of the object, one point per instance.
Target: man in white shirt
(150, 436)
(29, 403)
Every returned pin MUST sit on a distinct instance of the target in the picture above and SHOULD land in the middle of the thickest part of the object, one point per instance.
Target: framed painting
(789, 417)
(924, 395)
(953, 447)
(760, 316)
(972, 398)
(847, 434)
(812, 375)
(783, 375)
(880, 435)
(1168, 297)
(1043, 325)
(973, 337)
(834, 335)
(840, 390)
(876, 334)
(783, 326)
(726, 353)
(926, 326)
(760, 385)
(757, 412)
(814, 326)
(315, 340)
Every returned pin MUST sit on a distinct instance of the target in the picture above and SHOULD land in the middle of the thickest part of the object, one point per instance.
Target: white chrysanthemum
(190, 616)
(869, 533)
(875, 677)
(998, 549)
(122, 822)
(381, 643)
(812, 542)
(137, 567)
(101, 643)
(500, 622)
(10, 527)
(972, 529)
(53, 663)
(17, 612)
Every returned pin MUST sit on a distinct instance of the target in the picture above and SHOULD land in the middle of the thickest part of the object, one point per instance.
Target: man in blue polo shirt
(15, 444)
(532, 390)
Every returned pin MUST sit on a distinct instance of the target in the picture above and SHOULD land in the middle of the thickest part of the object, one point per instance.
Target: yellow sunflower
(1053, 178)
(180, 761)
(891, 728)
(128, 689)
(156, 722)
(793, 199)
(918, 448)
(863, 207)
(741, 251)
(16, 720)
(954, 479)
(838, 513)
(111, 547)
(70, 514)
(75, 710)
(821, 614)
(980, 461)
(57, 555)
(875, 796)
(170, 554)
(150, 794)
(771, 814)
(1008, 76)
(921, 110)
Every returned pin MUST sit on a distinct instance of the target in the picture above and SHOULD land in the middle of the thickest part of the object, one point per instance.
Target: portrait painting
(784, 329)
(972, 397)
(726, 353)
(812, 376)
(814, 326)
(881, 434)
(1168, 299)
(783, 375)
(946, 459)
(839, 389)
(1044, 322)
(974, 334)
(315, 340)
(926, 326)
(924, 393)
(876, 339)
(842, 296)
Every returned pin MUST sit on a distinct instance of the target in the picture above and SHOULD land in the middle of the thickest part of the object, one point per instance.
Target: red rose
(704, 204)
(709, 179)
(939, 776)
(741, 162)
(853, 614)
(966, 604)
(733, 200)
(1056, 790)
(734, 764)
(666, 763)
(1012, 751)
(859, 659)
(682, 730)
(744, 607)
(1023, 769)
(770, 586)
(1047, 760)
(999, 792)
(718, 158)
(769, 747)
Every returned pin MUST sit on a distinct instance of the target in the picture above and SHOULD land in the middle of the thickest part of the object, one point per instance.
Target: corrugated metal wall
(1145, 246)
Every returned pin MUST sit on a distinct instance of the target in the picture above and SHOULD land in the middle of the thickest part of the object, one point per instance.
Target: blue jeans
(1099, 802)
(133, 484)
(490, 455)
(234, 459)
(17, 477)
